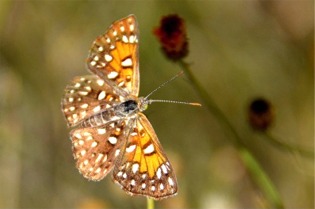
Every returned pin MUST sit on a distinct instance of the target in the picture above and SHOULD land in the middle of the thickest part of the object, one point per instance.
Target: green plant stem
(289, 147)
(260, 177)
(150, 203)
(255, 170)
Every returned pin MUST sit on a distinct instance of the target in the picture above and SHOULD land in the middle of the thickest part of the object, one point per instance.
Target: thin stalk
(150, 203)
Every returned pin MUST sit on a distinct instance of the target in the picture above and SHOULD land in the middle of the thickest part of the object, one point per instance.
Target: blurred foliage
(239, 50)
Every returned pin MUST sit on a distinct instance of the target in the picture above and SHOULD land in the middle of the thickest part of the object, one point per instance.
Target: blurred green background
(239, 50)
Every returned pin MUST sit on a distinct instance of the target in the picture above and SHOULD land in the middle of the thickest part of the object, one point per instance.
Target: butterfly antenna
(172, 101)
(149, 101)
(163, 84)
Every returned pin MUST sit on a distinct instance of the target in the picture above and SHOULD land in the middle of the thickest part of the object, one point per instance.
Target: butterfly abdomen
(101, 118)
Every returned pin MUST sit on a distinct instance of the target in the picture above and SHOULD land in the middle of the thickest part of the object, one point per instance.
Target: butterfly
(110, 131)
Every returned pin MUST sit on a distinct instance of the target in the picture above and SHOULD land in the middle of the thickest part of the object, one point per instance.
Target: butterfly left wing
(96, 148)
(114, 56)
(86, 96)
(143, 168)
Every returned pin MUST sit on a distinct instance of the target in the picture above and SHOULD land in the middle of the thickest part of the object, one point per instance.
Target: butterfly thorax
(131, 106)
(126, 108)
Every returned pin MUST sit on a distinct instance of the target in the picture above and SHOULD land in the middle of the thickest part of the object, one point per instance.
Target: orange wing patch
(147, 152)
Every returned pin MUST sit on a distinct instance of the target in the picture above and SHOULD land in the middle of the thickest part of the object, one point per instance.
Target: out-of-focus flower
(260, 114)
(173, 37)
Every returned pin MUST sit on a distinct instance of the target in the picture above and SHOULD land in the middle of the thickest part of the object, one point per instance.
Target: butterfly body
(121, 111)
(110, 131)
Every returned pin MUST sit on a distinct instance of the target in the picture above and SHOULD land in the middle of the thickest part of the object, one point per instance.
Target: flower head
(260, 114)
(173, 37)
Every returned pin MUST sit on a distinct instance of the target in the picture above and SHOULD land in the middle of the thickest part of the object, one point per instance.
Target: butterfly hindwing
(96, 149)
(144, 168)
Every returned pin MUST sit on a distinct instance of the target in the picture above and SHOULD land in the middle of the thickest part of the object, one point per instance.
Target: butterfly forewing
(96, 149)
(86, 96)
(114, 56)
(144, 168)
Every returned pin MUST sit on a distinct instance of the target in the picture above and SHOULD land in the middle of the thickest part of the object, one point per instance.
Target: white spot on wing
(112, 140)
(170, 181)
(131, 27)
(100, 49)
(83, 152)
(149, 149)
(70, 99)
(125, 39)
(127, 62)
(98, 170)
(99, 157)
(88, 88)
(101, 95)
(84, 106)
(96, 58)
(152, 188)
(131, 148)
(78, 135)
(83, 114)
(133, 182)
(97, 108)
(105, 158)
(83, 93)
(117, 152)
(112, 75)
(164, 169)
(100, 82)
(132, 38)
(159, 173)
(108, 57)
(135, 167)
(94, 144)
(93, 63)
(101, 131)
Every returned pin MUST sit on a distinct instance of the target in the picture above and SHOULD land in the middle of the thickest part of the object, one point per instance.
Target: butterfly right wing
(96, 148)
(143, 168)
(86, 96)
(114, 56)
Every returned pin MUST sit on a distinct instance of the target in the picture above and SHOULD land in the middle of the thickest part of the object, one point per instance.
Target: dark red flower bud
(172, 36)
(260, 114)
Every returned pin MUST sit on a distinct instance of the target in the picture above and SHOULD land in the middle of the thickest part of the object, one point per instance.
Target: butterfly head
(143, 103)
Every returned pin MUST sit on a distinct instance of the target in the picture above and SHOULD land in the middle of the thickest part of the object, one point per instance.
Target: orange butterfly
(113, 133)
